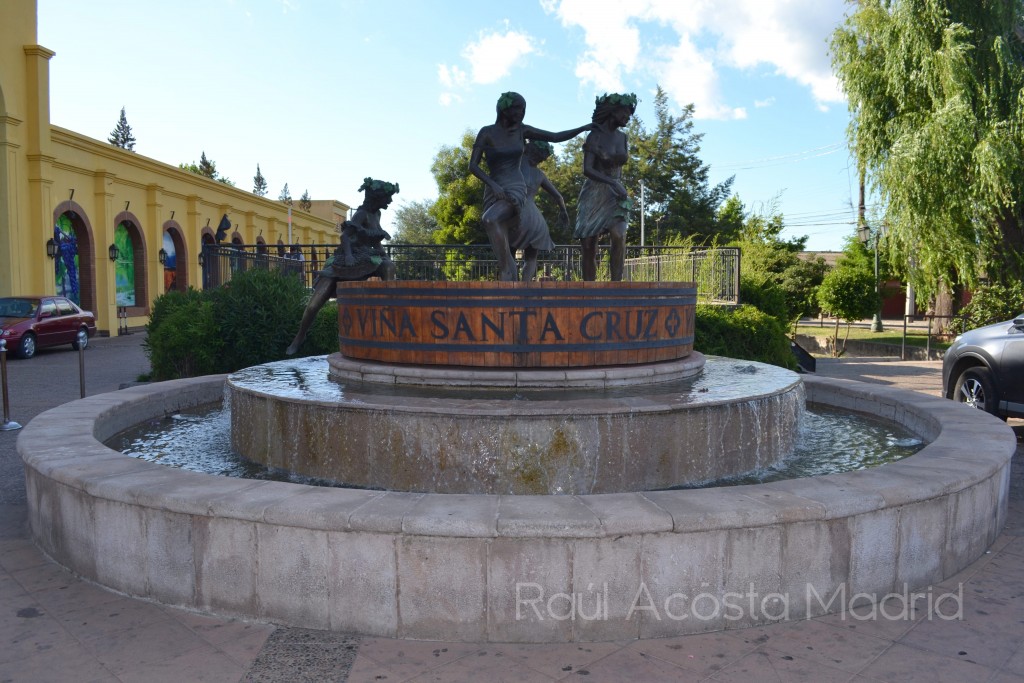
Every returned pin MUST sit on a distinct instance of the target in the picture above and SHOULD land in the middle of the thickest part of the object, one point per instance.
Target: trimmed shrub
(992, 304)
(323, 334)
(182, 339)
(766, 296)
(258, 312)
(250, 320)
(742, 332)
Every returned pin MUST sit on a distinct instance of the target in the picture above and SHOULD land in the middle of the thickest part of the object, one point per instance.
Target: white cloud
(766, 102)
(491, 58)
(451, 76)
(629, 38)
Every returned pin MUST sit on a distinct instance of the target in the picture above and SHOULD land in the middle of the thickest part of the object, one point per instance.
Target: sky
(322, 93)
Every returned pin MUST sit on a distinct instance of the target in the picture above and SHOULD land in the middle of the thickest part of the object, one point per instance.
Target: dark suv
(984, 368)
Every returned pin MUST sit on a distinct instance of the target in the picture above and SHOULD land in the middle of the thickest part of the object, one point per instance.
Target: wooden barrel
(516, 324)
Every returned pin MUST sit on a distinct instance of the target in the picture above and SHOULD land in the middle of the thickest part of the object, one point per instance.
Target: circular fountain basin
(514, 568)
(609, 434)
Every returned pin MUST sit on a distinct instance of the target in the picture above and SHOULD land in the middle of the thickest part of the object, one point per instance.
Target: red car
(31, 322)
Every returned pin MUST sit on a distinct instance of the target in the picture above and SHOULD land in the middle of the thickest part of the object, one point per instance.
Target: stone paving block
(525, 578)
(291, 575)
(226, 552)
(606, 579)
(362, 583)
(815, 564)
(442, 588)
(170, 564)
(676, 570)
(120, 537)
(873, 542)
(544, 516)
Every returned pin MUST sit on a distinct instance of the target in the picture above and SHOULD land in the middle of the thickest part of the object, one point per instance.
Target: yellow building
(77, 197)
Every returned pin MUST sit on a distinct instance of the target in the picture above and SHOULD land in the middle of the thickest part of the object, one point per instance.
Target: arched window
(67, 264)
(124, 266)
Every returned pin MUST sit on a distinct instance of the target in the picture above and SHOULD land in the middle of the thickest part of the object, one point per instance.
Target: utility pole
(642, 212)
(866, 231)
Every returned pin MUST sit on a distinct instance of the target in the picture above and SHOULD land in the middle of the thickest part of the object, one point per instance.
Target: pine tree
(305, 201)
(206, 167)
(259, 183)
(286, 195)
(122, 136)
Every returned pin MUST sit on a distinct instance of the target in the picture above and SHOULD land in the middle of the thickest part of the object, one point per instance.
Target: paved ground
(54, 627)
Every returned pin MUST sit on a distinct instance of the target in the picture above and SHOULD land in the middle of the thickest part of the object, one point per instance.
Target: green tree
(305, 201)
(122, 136)
(206, 168)
(937, 125)
(285, 196)
(679, 199)
(848, 292)
(730, 219)
(460, 200)
(259, 183)
(774, 277)
(414, 223)
(565, 171)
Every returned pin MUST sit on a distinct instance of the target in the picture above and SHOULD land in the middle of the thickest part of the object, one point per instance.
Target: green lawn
(893, 334)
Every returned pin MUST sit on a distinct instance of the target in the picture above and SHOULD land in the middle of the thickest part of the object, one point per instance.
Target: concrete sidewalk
(54, 627)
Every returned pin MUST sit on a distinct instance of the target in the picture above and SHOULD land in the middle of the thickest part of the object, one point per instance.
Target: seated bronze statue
(358, 257)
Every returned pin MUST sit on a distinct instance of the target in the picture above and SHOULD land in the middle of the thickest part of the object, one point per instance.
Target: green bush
(766, 296)
(992, 304)
(743, 332)
(182, 340)
(259, 312)
(248, 321)
(848, 293)
(323, 334)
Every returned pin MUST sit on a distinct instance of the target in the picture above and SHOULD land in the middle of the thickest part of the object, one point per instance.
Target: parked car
(28, 323)
(984, 368)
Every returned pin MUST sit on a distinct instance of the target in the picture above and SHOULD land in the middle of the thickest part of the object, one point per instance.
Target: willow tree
(936, 95)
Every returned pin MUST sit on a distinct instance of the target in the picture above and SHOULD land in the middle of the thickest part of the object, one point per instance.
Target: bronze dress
(367, 254)
(531, 230)
(598, 208)
(503, 167)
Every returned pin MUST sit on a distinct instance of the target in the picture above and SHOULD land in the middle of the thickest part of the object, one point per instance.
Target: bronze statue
(358, 257)
(530, 233)
(604, 204)
(501, 145)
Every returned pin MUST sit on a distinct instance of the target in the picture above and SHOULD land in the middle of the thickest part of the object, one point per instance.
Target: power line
(782, 159)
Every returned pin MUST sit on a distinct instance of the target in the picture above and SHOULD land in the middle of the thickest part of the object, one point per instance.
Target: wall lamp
(51, 248)
(162, 255)
(202, 259)
(112, 252)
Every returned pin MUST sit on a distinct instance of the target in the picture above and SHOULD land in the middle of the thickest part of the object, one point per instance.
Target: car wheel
(82, 340)
(27, 346)
(976, 389)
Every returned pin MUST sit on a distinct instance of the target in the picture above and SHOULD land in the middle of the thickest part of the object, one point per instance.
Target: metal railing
(715, 270)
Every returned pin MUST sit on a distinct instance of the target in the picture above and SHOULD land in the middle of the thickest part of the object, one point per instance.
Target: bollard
(7, 425)
(81, 364)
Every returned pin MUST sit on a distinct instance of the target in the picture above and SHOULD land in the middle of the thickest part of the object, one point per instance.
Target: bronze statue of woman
(358, 257)
(501, 145)
(604, 203)
(530, 233)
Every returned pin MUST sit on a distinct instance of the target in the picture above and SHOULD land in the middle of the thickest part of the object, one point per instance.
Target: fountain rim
(440, 566)
(940, 468)
(485, 407)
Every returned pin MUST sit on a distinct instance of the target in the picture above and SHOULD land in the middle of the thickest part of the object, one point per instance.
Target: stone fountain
(499, 555)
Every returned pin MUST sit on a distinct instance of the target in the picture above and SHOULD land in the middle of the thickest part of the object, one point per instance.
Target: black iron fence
(715, 270)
